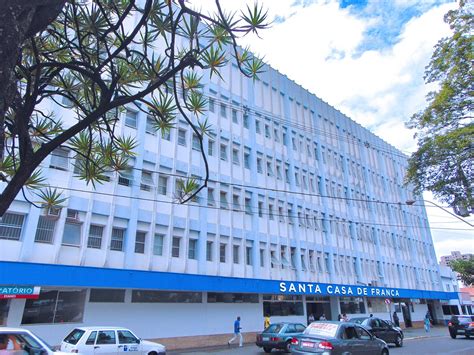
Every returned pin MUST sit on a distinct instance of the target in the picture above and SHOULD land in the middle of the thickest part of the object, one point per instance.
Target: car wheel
(152, 353)
(453, 335)
(384, 352)
(267, 350)
(399, 341)
(288, 346)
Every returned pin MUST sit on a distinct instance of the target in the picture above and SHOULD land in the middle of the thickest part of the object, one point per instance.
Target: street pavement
(416, 342)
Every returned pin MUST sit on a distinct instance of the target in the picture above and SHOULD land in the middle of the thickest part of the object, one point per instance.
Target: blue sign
(14, 291)
(94, 277)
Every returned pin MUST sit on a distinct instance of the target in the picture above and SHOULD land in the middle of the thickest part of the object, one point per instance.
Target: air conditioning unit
(53, 212)
(72, 216)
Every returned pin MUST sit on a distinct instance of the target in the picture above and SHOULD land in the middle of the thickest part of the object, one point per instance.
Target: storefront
(169, 305)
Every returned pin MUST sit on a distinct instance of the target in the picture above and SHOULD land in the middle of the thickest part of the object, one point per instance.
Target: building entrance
(317, 306)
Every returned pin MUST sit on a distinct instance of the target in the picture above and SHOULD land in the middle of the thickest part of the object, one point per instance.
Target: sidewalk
(418, 333)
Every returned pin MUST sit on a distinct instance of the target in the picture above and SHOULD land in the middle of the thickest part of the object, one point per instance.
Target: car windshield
(23, 341)
(74, 336)
(465, 320)
(322, 329)
(274, 328)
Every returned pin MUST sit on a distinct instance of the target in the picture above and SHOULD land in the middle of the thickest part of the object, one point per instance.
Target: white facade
(297, 191)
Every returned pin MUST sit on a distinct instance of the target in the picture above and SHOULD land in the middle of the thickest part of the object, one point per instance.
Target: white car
(17, 341)
(108, 341)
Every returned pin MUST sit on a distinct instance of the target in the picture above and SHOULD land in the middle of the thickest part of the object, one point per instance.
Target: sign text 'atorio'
(329, 289)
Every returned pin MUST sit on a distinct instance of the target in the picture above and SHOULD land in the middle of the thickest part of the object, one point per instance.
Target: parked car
(334, 338)
(108, 341)
(17, 341)
(461, 325)
(381, 329)
(278, 336)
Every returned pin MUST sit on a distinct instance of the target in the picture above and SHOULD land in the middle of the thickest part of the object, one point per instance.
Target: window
(235, 254)
(126, 337)
(210, 148)
(282, 305)
(269, 169)
(162, 185)
(72, 233)
(257, 127)
(270, 212)
(59, 159)
(224, 203)
(222, 252)
(131, 118)
(182, 137)
(95, 237)
(278, 172)
(45, 230)
(276, 135)
(236, 202)
(141, 296)
(234, 116)
(352, 305)
(267, 131)
(223, 110)
(247, 160)
(125, 177)
(140, 242)
(175, 247)
(259, 166)
(192, 249)
(246, 121)
(55, 307)
(260, 209)
(106, 337)
(150, 125)
(262, 258)
(107, 295)
(4, 307)
(210, 197)
(209, 246)
(212, 106)
(223, 154)
(158, 244)
(116, 242)
(147, 181)
(76, 335)
(235, 156)
(248, 206)
(166, 134)
(248, 256)
(213, 297)
(196, 142)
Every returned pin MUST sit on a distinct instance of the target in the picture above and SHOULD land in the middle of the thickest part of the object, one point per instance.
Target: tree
(444, 161)
(465, 269)
(97, 57)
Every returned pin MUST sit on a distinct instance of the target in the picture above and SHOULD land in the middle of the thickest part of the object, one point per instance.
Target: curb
(424, 337)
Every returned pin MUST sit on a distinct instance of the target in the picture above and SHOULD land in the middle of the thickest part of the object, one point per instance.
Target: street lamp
(412, 202)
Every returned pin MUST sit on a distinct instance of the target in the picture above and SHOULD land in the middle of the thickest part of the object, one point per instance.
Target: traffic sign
(387, 301)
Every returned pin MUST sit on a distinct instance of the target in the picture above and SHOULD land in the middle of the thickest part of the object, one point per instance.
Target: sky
(367, 59)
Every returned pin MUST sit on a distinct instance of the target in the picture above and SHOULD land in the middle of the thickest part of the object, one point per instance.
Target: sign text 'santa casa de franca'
(340, 290)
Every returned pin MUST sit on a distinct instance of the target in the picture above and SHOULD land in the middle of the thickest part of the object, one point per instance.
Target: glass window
(196, 142)
(116, 241)
(158, 244)
(209, 250)
(131, 118)
(95, 237)
(234, 116)
(248, 256)
(210, 148)
(210, 197)
(259, 166)
(363, 334)
(182, 137)
(192, 249)
(74, 337)
(257, 126)
(140, 296)
(106, 337)
(175, 247)
(140, 242)
(4, 307)
(246, 121)
(72, 233)
(147, 182)
(55, 307)
(91, 339)
(235, 156)
(107, 295)
(223, 110)
(162, 185)
(212, 107)
(248, 206)
(45, 229)
(235, 253)
(223, 154)
(150, 125)
(352, 305)
(11, 225)
(126, 337)
(59, 159)
(247, 160)
(283, 308)
(223, 198)
(166, 134)
(222, 252)
(214, 297)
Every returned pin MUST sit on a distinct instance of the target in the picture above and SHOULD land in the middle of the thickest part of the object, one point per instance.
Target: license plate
(265, 339)
(307, 344)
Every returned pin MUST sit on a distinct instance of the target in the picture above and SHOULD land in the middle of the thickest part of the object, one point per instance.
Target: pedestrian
(344, 318)
(427, 322)
(323, 317)
(266, 321)
(339, 317)
(371, 315)
(237, 333)
(311, 318)
(396, 320)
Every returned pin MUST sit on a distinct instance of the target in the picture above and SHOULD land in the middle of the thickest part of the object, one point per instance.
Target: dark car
(461, 325)
(381, 329)
(278, 336)
(334, 338)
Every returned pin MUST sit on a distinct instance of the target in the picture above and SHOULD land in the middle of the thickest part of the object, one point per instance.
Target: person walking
(396, 320)
(323, 317)
(237, 333)
(427, 322)
(310, 318)
(266, 322)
